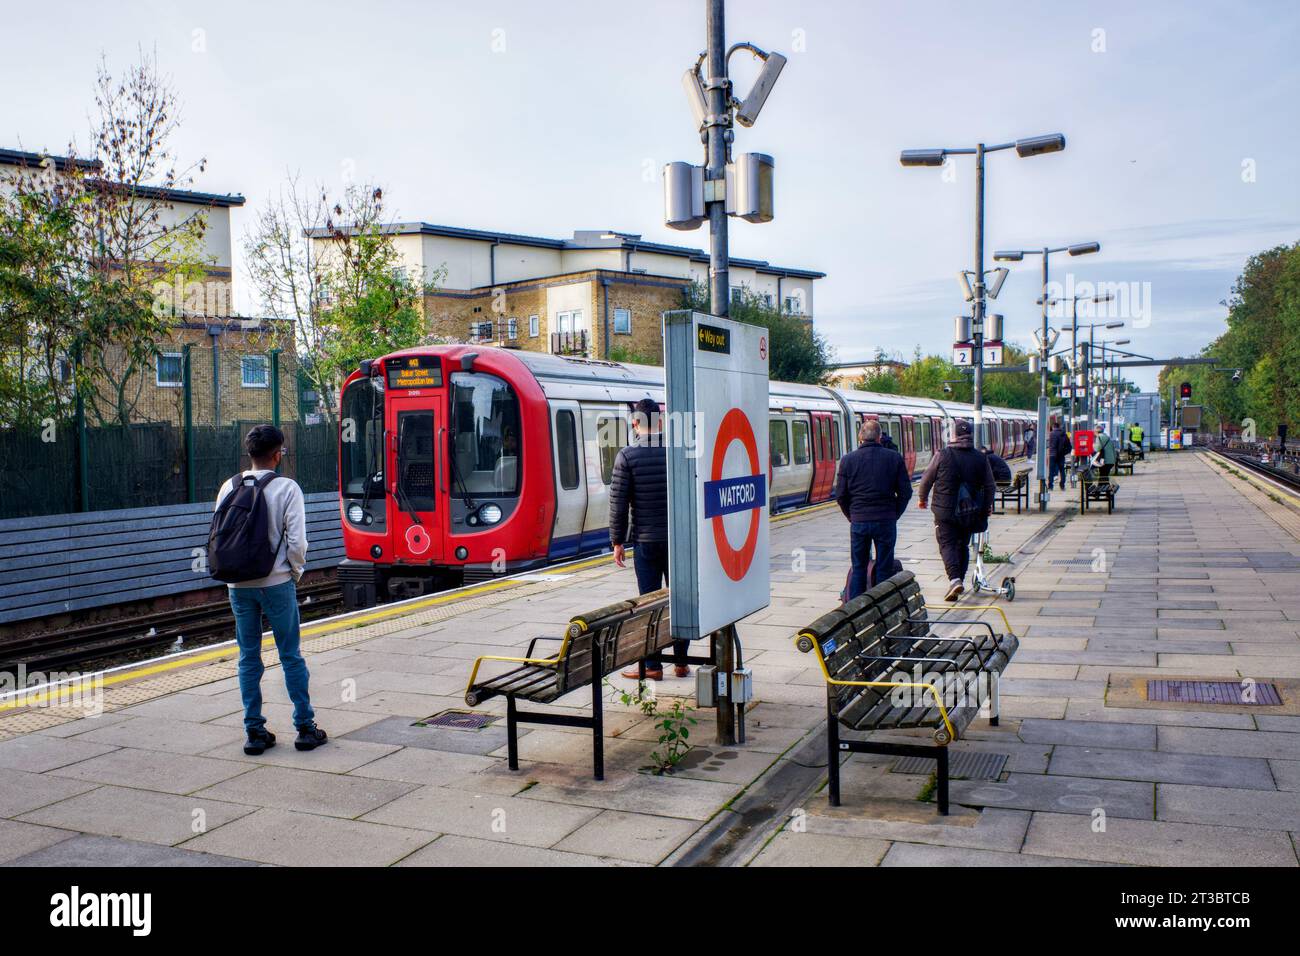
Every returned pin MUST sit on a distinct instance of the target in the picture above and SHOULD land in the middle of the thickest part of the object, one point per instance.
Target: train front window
(484, 435)
(361, 439)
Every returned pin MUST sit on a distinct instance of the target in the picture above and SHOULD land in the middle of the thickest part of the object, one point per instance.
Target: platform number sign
(962, 355)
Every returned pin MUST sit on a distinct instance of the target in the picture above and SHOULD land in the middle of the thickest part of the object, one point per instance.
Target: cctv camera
(947, 389)
(1236, 376)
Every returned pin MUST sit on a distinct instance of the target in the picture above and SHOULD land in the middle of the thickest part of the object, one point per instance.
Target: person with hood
(1031, 442)
(1058, 447)
(962, 485)
(1106, 452)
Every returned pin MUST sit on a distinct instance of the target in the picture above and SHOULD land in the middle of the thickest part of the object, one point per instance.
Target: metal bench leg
(512, 733)
(995, 699)
(832, 756)
(598, 718)
(943, 780)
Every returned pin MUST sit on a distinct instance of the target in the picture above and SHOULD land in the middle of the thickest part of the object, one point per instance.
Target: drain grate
(459, 720)
(1073, 562)
(1249, 693)
(962, 765)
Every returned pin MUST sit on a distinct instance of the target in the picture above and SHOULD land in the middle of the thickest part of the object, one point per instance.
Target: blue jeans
(280, 605)
(863, 535)
(1056, 466)
(650, 561)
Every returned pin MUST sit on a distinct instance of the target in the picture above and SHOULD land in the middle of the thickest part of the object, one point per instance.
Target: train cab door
(604, 432)
(417, 482)
(905, 443)
(570, 468)
(823, 425)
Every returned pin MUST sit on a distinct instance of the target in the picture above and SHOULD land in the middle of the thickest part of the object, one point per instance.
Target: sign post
(717, 381)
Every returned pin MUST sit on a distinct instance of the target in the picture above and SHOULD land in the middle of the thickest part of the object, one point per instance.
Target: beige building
(600, 294)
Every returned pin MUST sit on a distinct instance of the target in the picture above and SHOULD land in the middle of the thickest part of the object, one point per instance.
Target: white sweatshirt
(286, 513)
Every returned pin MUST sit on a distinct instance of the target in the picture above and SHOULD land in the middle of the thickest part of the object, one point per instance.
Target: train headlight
(489, 514)
(356, 514)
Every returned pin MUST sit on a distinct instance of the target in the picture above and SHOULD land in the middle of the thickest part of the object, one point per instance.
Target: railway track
(1283, 473)
(117, 640)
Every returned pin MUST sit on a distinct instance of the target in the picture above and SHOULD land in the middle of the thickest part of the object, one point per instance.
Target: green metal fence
(178, 440)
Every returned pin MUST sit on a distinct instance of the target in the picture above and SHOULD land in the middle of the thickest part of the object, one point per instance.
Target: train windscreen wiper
(403, 501)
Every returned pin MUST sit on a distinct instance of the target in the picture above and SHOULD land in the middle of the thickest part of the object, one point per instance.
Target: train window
(566, 449)
(779, 443)
(415, 460)
(484, 435)
(611, 435)
(361, 442)
(917, 445)
(799, 431)
(835, 439)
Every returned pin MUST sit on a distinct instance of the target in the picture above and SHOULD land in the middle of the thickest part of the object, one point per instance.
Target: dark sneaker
(310, 737)
(259, 741)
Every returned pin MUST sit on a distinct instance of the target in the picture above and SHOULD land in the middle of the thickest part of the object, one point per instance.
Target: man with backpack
(1058, 449)
(258, 546)
(962, 484)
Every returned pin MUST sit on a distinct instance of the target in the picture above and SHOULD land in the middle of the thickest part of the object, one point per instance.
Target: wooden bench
(594, 645)
(1093, 489)
(886, 669)
(1124, 466)
(1017, 490)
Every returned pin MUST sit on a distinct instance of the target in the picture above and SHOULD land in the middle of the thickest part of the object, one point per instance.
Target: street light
(1032, 146)
(1018, 255)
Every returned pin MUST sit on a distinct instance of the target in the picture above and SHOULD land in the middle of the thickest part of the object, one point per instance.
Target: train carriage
(459, 463)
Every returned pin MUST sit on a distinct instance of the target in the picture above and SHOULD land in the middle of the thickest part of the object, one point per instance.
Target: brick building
(599, 294)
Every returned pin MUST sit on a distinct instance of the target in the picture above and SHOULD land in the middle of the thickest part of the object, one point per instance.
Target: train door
(604, 432)
(905, 443)
(570, 480)
(823, 464)
(418, 482)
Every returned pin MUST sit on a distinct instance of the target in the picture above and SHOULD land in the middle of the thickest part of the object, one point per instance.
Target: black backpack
(239, 543)
(968, 506)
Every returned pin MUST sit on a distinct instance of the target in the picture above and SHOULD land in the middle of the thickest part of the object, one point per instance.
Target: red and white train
(459, 463)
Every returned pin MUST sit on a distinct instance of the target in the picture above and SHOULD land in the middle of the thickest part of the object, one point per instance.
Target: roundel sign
(736, 494)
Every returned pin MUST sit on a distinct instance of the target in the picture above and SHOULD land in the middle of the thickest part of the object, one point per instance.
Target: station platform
(1195, 575)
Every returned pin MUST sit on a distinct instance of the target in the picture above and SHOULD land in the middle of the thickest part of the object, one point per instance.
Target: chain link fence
(169, 432)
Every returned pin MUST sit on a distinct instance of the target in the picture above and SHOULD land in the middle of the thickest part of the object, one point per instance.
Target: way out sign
(717, 484)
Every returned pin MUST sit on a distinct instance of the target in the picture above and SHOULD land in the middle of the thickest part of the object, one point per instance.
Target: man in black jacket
(962, 483)
(640, 482)
(998, 465)
(873, 488)
(1058, 447)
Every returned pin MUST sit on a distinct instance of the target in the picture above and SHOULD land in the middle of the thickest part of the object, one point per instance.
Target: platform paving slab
(17, 839)
(486, 816)
(37, 753)
(336, 756)
(1027, 791)
(1160, 767)
(21, 792)
(291, 838)
(311, 791)
(151, 770)
(137, 814)
(789, 848)
(451, 850)
(1156, 843)
(1252, 809)
(99, 851)
(918, 854)
(636, 837)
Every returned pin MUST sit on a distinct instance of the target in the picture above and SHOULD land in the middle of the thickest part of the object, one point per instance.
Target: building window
(480, 331)
(622, 321)
(323, 291)
(534, 326)
(767, 299)
(169, 370)
(737, 294)
(512, 329)
(255, 371)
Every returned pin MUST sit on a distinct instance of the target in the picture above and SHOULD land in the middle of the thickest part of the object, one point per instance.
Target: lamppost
(1103, 387)
(1044, 347)
(1033, 146)
(1074, 348)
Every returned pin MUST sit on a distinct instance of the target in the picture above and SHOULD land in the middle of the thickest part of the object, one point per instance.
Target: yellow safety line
(381, 614)
(821, 662)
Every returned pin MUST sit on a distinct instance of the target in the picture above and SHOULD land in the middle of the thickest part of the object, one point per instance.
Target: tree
(796, 351)
(350, 298)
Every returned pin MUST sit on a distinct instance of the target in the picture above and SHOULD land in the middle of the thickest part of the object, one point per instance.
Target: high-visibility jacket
(1135, 434)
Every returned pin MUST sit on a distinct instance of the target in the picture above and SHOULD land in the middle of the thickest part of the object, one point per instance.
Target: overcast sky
(1182, 158)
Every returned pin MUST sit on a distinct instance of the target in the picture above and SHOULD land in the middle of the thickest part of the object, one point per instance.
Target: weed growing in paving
(674, 725)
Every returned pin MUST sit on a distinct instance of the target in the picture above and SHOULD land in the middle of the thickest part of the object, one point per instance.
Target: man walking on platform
(872, 489)
(1058, 447)
(962, 483)
(258, 545)
(1106, 452)
(640, 484)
